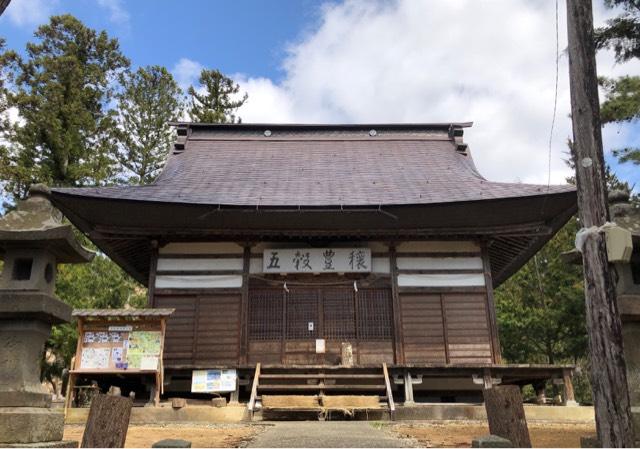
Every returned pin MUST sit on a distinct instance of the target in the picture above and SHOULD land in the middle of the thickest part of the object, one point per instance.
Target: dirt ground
(426, 434)
(224, 435)
(460, 434)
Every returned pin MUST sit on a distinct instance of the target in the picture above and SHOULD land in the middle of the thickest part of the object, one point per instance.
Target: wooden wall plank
(422, 328)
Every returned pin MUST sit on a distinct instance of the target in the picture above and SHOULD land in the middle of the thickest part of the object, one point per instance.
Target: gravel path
(327, 434)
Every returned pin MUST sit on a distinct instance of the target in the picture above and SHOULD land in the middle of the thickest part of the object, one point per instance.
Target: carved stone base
(29, 425)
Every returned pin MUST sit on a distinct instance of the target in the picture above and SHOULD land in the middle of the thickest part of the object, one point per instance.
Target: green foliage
(622, 99)
(540, 309)
(216, 104)
(100, 284)
(149, 100)
(62, 88)
(622, 95)
(5, 59)
(622, 33)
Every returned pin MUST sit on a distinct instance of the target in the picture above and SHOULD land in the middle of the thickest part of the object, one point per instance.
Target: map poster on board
(213, 380)
(95, 358)
(143, 350)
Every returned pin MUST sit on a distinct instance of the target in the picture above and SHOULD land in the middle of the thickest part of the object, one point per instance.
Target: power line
(555, 101)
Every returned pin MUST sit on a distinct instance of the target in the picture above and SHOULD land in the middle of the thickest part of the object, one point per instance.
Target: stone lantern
(33, 240)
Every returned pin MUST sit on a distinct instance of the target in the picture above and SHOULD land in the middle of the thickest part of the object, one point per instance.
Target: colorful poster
(89, 337)
(213, 380)
(117, 355)
(115, 337)
(142, 344)
(102, 337)
(95, 358)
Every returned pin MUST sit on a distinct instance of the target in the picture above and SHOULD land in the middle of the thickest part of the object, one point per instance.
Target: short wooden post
(505, 414)
(540, 389)
(408, 389)
(568, 398)
(234, 397)
(346, 354)
(108, 421)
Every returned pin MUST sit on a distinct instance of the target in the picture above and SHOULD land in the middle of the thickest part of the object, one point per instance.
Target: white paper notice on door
(320, 346)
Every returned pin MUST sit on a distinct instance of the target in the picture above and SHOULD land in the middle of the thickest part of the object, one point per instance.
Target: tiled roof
(248, 181)
(238, 165)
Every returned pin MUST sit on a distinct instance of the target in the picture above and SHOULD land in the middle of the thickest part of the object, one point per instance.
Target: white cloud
(28, 13)
(267, 102)
(186, 72)
(117, 13)
(492, 63)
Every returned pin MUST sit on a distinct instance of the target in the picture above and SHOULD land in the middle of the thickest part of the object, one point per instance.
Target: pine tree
(622, 95)
(150, 99)
(216, 104)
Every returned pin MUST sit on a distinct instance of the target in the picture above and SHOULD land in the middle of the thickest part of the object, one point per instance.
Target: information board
(213, 380)
(113, 348)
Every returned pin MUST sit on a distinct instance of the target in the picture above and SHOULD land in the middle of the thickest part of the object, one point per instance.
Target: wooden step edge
(321, 376)
(320, 387)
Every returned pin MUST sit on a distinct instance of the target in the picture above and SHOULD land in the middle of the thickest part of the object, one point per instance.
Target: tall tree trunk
(608, 368)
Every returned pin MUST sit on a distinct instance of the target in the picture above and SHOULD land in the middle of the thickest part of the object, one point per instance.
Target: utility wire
(555, 101)
(555, 109)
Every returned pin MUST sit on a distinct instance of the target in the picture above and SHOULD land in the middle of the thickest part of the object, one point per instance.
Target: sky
(490, 62)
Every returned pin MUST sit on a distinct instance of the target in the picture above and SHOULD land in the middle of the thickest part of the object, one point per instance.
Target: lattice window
(374, 314)
(265, 314)
(302, 309)
(339, 314)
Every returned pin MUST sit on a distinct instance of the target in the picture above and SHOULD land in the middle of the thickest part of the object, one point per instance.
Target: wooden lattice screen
(265, 314)
(337, 314)
(374, 314)
(302, 308)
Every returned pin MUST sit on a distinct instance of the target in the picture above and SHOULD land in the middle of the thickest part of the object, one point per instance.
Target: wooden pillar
(153, 266)
(244, 313)
(445, 329)
(398, 342)
(408, 389)
(487, 380)
(491, 307)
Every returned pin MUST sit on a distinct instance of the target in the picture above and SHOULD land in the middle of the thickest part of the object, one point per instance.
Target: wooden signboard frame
(106, 330)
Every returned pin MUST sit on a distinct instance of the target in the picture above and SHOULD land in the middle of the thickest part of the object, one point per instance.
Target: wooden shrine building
(320, 247)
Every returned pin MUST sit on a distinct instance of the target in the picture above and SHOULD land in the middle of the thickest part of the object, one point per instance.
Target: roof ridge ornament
(180, 144)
